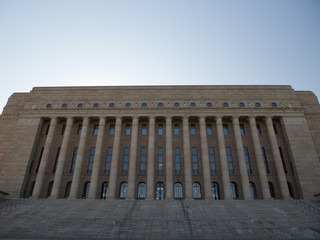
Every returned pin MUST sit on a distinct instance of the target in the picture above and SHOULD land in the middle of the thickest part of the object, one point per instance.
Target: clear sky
(90, 43)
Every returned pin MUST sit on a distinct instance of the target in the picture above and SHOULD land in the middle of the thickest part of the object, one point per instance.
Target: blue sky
(93, 43)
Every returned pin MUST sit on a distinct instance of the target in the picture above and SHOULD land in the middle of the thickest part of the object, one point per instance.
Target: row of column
(169, 159)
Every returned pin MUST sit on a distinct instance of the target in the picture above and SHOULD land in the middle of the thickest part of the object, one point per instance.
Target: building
(161, 142)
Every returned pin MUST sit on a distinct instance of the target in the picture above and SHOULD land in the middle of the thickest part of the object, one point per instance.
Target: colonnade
(187, 159)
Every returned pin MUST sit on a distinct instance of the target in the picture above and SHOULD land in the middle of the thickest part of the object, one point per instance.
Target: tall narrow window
(212, 161)
(160, 191)
(242, 129)
(229, 158)
(56, 161)
(271, 190)
(128, 129)
(125, 160)
(142, 190)
(178, 192)
(196, 190)
(253, 190)
(193, 129)
(104, 190)
(160, 160)
(123, 190)
(91, 158)
(74, 158)
(225, 129)
(265, 160)
(160, 129)
(215, 191)
(258, 129)
(209, 129)
(247, 159)
(68, 188)
(144, 129)
(176, 129)
(47, 130)
(275, 129)
(111, 130)
(143, 160)
(39, 159)
(95, 129)
(86, 190)
(234, 192)
(50, 189)
(79, 129)
(177, 160)
(195, 161)
(108, 161)
(282, 160)
(63, 129)
(290, 190)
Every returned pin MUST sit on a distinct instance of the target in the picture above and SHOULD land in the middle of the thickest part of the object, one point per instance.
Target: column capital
(268, 120)
(235, 119)
(252, 119)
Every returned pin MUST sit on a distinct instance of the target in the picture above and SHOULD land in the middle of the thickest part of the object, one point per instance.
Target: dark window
(95, 129)
(247, 159)
(178, 191)
(95, 105)
(215, 191)
(275, 129)
(282, 160)
(143, 160)
(86, 190)
(176, 105)
(108, 161)
(128, 105)
(212, 161)
(50, 189)
(160, 129)
(80, 105)
(195, 161)
(74, 158)
(111, 130)
(274, 105)
(47, 130)
(234, 192)
(241, 105)
(225, 105)
(193, 129)
(112, 105)
(253, 190)
(160, 105)
(63, 129)
(79, 129)
(258, 129)
(128, 129)
(177, 160)
(64, 105)
(144, 130)
(209, 105)
(225, 129)
(91, 158)
(196, 190)
(142, 190)
(160, 160)
(290, 190)
(160, 191)
(209, 130)
(258, 105)
(125, 160)
(39, 159)
(193, 105)
(144, 105)
(104, 190)
(229, 158)
(56, 161)
(32, 187)
(265, 160)
(242, 129)
(68, 188)
(48, 106)
(123, 190)
(176, 129)
(271, 190)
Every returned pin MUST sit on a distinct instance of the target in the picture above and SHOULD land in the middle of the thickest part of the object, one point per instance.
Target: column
(115, 160)
(257, 150)
(77, 169)
(187, 159)
(133, 159)
(277, 159)
(242, 161)
(223, 160)
(44, 159)
(62, 159)
(205, 159)
(97, 160)
(169, 173)
(150, 173)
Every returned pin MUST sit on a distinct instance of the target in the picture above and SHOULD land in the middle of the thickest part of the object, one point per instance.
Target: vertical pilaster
(97, 160)
(277, 159)
(115, 159)
(169, 173)
(150, 173)
(133, 159)
(77, 170)
(242, 162)
(205, 159)
(187, 159)
(45, 157)
(257, 150)
(223, 160)
(62, 159)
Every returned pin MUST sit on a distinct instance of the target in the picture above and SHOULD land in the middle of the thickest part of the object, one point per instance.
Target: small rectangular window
(229, 158)
(144, 129)
(160, 129)
(111, 130)
(63, 129)
(143, 160)
(108, 161)
(212, 161)
(275, 129)
(95, 129)
(56, 161)
(125, 160)
(160, 160)
(209, 129)
(128, 129)
(74, 158)
(282, 160)
(242, 129)
(247, 159)
(79, 129)
(177, 160)
(225, 129)
(195, 161)
(176, 129)
(91, 159)
(193, 129)
(265, 160)
(258, 129)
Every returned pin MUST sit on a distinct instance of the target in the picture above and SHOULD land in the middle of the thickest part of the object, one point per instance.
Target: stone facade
(161, 142)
